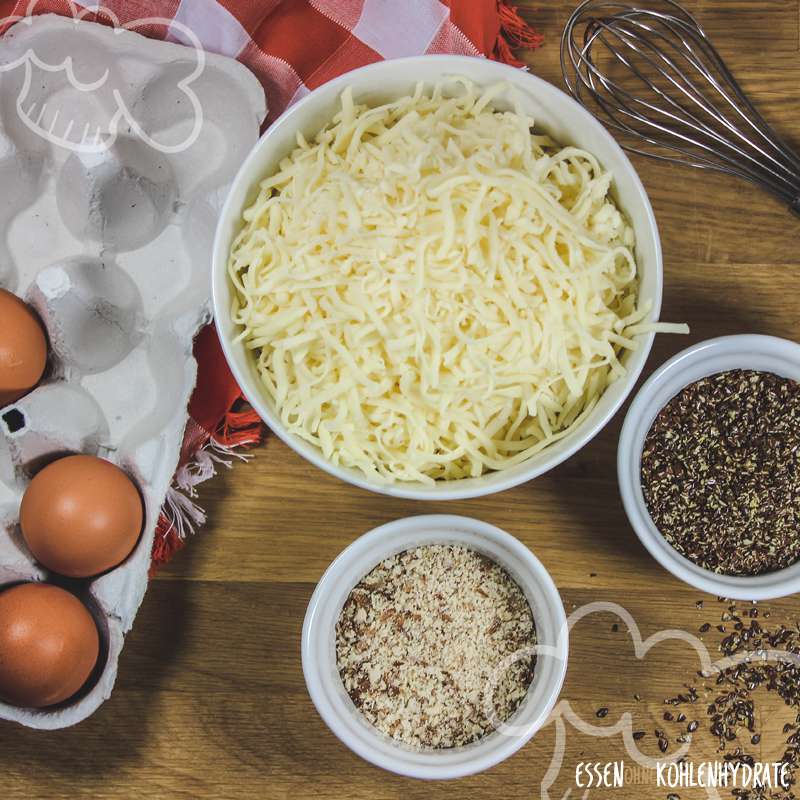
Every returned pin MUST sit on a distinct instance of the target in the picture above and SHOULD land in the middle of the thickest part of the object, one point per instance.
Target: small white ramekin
(747, 351)
(319, 645)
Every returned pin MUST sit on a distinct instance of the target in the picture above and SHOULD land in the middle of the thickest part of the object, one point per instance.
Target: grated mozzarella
(431, 291)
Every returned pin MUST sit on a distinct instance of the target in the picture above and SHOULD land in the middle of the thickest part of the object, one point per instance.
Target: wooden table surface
(210, 700)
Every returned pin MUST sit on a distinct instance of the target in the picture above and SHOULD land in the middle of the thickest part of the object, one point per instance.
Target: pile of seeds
(721, 472)
(730, 709)
(419, 641)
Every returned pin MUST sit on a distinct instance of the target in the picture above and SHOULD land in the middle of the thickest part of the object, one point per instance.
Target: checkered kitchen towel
(292, 46)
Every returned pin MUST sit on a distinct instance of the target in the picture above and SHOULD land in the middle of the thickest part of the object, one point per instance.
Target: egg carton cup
(116, 152)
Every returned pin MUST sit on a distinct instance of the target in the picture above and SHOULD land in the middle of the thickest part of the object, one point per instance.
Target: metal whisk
(650, 71)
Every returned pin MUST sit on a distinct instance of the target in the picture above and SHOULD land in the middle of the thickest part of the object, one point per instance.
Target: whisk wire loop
(649, 71)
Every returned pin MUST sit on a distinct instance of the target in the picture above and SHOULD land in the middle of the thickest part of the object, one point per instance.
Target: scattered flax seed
(602, 712)
(733, 713)
(721, 472)
(420, 637)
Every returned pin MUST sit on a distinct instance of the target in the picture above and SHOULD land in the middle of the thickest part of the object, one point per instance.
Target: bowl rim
(456, 489)
(397, 536)
(705, 357)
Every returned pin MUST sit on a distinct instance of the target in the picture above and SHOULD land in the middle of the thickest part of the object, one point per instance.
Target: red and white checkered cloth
(292, 46)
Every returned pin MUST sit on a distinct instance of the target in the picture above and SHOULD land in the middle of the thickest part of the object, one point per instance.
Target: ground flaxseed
(721, 472)
(420, 637)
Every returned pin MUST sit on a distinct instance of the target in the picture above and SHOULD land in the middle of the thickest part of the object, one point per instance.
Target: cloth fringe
(166, 542)
(180, 514)
(515, 33)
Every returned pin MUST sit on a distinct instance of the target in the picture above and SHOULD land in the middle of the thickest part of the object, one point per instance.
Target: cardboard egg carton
(116, 152)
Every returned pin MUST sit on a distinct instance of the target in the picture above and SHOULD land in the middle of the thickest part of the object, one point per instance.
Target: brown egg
(81, 516)
(48, 645)
(23, 348)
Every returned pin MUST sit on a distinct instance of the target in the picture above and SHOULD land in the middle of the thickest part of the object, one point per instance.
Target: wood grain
(210, 700)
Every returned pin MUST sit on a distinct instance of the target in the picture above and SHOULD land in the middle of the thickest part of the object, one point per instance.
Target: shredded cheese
(432, 291)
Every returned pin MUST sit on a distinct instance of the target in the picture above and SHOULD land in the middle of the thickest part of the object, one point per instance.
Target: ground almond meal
(420, 637)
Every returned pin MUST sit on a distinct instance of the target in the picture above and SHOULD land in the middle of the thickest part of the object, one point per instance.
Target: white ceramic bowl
(765, 353)
(557, 114)
(319, 645)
